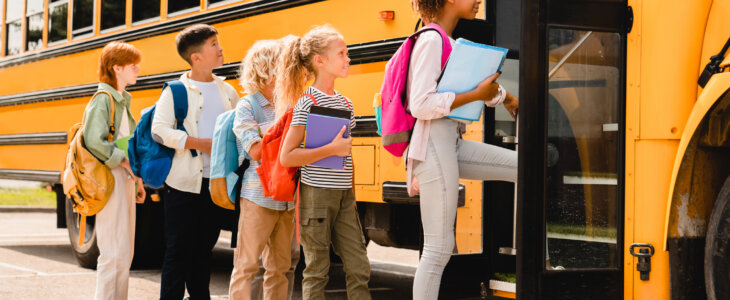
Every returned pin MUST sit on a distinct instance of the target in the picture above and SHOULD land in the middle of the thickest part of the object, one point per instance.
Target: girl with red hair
(118, 68)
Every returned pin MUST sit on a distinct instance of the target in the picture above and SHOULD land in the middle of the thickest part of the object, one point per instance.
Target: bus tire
(88, 253)
(717, 247)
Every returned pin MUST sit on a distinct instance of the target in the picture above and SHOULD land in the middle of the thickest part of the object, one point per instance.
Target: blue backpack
(149, 159)
(226, 175)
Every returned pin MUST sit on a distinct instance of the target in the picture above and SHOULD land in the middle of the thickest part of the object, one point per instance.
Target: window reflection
(582, 149)
(13, 21)
(112, 13)
(57, 20)
(174, 6)
(145, 10)
(83, 18)
(34, 25)
(14, 42)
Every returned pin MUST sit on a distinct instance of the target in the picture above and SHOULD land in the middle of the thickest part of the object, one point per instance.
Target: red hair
(116, 54)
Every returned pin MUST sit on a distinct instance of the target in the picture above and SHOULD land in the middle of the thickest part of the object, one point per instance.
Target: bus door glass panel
(143, 10)
(83, 18)
(13, 22)
(182, 6)
(113, 13)
(34, 25)
(582, 150)
(57, 20)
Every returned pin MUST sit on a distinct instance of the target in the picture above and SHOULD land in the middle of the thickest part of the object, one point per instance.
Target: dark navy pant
(192, 226)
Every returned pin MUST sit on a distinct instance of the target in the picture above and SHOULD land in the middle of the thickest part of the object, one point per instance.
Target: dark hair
(428, 10)
(190, 39)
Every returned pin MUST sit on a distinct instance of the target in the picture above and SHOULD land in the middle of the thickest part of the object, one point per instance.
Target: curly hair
(428, 10)
(116, 54)
(296, 68)
(258, 68)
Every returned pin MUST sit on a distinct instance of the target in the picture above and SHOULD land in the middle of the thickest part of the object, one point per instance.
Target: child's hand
(511, 103)
(341, 146)
(141, 193)
(488, 88)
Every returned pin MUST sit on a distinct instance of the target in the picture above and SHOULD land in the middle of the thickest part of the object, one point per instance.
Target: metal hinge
(644, 255)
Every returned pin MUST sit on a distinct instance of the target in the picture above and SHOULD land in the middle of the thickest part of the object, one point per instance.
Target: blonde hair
(258, 68)
(296, 64)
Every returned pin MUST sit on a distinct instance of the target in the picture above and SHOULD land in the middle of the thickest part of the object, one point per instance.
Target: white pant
(115, 238)
(449, 158)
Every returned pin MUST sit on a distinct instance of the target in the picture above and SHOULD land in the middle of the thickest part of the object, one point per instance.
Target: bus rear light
(386, 15)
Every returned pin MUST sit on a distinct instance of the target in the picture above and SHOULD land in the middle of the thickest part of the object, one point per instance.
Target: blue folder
(322, 127)
(469, 64)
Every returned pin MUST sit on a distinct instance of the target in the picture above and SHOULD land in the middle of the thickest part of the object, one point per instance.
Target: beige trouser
(267, 231)
(257, 286)
(115, 238)
(329, 217)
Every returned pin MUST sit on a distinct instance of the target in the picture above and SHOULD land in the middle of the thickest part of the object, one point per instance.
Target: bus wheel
(717, 247)
(87, 253)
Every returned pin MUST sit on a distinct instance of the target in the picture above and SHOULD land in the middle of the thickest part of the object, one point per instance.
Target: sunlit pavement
(36, 262)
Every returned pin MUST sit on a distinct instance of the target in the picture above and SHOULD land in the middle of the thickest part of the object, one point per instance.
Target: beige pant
(267, 231)
(115, 238)
(329, 217)
(257, 286)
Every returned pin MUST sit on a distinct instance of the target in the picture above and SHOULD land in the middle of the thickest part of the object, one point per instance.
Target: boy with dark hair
(192, 221)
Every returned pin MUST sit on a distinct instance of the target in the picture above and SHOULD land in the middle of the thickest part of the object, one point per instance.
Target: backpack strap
(109, 137)
(237, 188)
(180, 99)
(256, 107)
(445, 46)
(311, 97)
(347, 101)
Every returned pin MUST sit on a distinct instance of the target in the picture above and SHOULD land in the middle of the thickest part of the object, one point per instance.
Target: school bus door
(570, 182)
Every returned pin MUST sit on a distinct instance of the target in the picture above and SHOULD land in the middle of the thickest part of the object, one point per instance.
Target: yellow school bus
(623, 154)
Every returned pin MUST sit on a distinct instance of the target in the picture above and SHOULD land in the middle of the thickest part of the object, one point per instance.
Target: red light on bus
(386, 15)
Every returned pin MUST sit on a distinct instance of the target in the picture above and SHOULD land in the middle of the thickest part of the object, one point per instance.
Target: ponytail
(292, 75)
(295, 65)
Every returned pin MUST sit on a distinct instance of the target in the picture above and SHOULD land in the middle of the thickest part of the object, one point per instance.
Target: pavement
(36, 262)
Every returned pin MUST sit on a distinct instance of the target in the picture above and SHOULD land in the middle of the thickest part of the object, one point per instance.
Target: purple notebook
(321, 130)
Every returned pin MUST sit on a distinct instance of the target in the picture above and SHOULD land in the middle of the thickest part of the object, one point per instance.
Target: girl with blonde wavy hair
(327, 213)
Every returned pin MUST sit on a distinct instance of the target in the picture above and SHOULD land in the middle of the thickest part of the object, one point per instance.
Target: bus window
(583, 156)
(13, 33)
(34, 25)
(83, 18)
(176, 7)
(57, 21)
(112, 14)
(143, 10)
(504, 124)
(507, 33)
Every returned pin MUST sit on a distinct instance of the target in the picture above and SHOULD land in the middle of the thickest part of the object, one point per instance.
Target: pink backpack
(394, 121)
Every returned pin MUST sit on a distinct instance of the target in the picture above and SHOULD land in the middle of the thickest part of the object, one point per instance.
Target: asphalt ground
(36, 262)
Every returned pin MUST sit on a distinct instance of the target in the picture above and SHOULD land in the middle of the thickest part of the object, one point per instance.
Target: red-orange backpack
(279, 182)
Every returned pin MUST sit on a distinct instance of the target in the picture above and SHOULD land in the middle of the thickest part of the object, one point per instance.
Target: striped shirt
(316, 176)
(246, 130)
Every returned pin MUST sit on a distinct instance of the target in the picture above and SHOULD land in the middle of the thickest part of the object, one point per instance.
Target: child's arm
(293, 156)
(486, 89)
(163, 127)
(247, 130)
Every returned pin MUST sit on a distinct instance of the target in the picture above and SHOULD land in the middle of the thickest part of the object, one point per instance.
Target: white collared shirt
(186, 173)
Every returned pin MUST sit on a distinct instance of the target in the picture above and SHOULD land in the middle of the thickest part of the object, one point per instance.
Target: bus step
(503, 289)
(507, 251)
